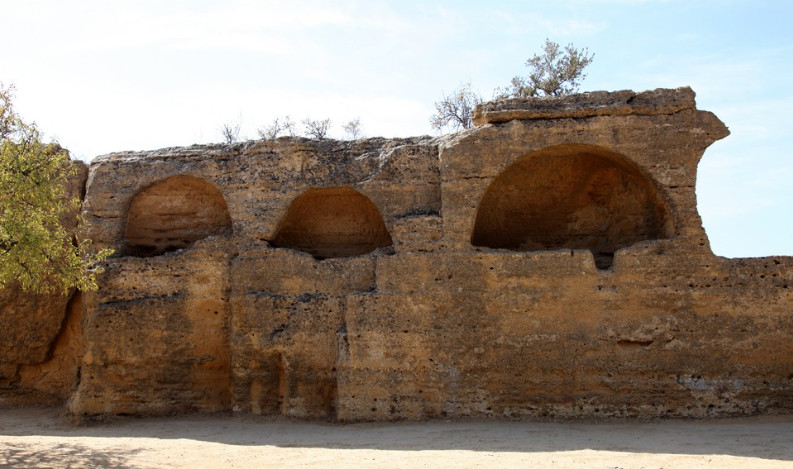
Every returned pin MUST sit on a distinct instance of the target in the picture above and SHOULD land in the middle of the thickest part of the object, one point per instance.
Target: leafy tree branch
(36, 251)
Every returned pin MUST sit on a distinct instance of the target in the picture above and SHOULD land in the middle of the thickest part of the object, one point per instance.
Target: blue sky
(106, 76)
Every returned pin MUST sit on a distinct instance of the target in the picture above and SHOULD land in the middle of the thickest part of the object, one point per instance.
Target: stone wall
(549, 262)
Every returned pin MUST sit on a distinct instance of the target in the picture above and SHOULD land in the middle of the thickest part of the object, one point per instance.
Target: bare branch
(316, 128)
(230, 131)
(455, 109)
(353, 129)
(279, 126)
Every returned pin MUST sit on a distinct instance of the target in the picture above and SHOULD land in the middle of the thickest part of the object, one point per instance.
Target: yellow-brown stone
(550, 262)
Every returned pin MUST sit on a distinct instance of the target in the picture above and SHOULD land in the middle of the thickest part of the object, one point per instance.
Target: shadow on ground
(62, 455)
(769, 437)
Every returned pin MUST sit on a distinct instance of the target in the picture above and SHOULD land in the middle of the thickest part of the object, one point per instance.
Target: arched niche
(175, 213)
(332, 222)
(571, 196)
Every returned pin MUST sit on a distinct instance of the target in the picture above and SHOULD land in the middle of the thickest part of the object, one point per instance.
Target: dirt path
(42, 438)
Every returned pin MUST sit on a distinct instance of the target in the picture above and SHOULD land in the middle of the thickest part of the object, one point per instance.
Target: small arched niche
(571, 196)
(332, 222)
(173, 214)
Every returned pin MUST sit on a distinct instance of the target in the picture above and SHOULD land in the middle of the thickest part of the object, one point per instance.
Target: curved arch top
(174, 213)
(332, 222)
(571, 196)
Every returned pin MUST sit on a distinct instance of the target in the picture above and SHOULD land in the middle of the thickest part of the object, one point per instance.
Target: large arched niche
(571, 196)
(332, 222)
(174, 213)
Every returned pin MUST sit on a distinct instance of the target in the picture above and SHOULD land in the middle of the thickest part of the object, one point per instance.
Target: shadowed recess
(332, 222)
(571, 196)
(175, 213)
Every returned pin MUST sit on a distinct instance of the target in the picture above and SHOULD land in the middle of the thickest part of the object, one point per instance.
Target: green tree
(555, 72)
(36, 251)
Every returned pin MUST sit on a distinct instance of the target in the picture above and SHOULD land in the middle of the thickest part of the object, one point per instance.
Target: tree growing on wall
(353, 129)
(230, 131)
(278, 127)
(454, 110)
(36, 251)
(316, 128)
(556, 71)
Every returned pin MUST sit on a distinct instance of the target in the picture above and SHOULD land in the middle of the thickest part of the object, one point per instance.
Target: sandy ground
(44, 438)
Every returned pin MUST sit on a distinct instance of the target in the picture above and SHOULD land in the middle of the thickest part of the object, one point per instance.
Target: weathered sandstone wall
(549, 262)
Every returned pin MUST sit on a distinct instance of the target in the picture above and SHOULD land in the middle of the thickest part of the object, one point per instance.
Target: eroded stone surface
(595, 103)
(333, 222)
(550, 262)
(173, 214)
(54, 380)
(571, 196)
